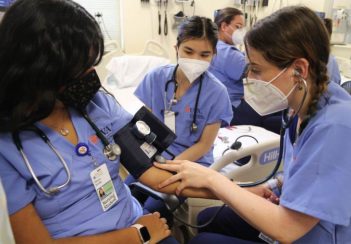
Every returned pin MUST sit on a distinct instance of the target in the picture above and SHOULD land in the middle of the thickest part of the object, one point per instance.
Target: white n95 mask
(238, 36)
(264, 97)
(193, 68)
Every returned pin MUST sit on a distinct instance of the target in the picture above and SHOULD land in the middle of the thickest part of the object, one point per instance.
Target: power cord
(191, 225)
(237, 144)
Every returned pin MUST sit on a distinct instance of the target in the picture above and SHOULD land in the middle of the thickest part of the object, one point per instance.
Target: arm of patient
(154, 176)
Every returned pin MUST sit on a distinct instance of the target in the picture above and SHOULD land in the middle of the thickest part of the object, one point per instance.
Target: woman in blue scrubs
(48, 89)
(229, 64)
(288, 69)
(189, 99)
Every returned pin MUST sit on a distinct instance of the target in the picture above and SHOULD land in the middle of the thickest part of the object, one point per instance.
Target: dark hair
(291, 33)
(226, 15)
(197, 27)
(44, 45)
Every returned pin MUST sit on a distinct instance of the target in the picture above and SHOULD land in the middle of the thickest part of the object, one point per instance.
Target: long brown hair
(291, 33)
(225, 15)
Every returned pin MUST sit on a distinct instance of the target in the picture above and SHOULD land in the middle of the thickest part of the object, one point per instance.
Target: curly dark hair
(44, 45)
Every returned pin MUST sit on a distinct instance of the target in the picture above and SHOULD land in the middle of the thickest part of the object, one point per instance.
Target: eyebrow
(203, 52)
(251, 63)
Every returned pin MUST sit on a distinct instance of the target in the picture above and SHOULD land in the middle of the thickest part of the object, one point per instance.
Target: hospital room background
(149, 28)
(138, 27)
(141, 35)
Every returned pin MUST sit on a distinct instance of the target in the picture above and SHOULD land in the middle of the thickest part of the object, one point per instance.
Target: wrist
(213, 179)
(143, 233)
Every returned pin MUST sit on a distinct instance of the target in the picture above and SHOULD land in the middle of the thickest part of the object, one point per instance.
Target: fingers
(170, 180)
(157, 214)
(180, 188)
(170, 167)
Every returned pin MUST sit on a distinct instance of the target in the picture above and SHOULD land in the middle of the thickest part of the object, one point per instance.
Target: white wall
(342, 3)
(140, 22)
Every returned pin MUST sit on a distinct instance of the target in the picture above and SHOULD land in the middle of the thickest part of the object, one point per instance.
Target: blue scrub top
(228, 66)
(76, 210)
(214, 106)
(333, 70)
(317, 170)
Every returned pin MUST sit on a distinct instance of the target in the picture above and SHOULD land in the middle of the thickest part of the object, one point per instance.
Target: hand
(157, 227)
(265, 192)
(189, 174)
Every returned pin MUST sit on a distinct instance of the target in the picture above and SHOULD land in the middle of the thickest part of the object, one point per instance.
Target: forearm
(154, 176)
(128, 235)
(195, 152)
(200, 148)
(26, 220)
(275, 221)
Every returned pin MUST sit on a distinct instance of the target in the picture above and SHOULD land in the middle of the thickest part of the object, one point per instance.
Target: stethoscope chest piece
(111, 151)
(194, 127)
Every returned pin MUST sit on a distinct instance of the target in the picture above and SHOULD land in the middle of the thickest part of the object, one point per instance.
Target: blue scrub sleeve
(333, 70)
(221, 110)
(235, 66)
(144, 90)
(108, 104)
(18, 193)
(319, 179)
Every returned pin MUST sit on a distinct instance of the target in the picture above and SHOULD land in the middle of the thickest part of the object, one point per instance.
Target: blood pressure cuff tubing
(137, 155)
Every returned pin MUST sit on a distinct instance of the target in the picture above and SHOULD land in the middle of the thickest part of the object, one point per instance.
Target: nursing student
(188, 98)
(56, 133)
(288, 69)
(229, 64)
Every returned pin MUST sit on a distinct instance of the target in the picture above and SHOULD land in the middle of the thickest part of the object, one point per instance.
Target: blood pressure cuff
(138, 155)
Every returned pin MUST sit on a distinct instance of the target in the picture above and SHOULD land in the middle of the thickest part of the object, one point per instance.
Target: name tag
(104, 186)
(267, 239)
(169, 120)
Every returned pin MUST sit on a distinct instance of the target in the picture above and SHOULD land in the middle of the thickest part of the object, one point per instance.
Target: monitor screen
(4, 4)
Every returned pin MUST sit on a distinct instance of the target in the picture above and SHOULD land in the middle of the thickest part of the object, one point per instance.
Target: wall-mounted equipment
(341, 26)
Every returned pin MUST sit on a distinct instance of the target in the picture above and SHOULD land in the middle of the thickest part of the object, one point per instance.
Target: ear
(224, 26)
(301, 66)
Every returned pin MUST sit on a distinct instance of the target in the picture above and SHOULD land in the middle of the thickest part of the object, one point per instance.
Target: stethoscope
(289, 121)
(173, 100)
(111, 151)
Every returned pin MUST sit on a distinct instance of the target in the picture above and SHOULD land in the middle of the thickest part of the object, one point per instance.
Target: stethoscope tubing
(53, 189)
(193, 127)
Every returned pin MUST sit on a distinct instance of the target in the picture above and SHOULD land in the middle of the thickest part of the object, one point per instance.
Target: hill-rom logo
(269, 156)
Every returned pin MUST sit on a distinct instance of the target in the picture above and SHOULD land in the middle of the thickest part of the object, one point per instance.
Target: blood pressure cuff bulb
(141, 140)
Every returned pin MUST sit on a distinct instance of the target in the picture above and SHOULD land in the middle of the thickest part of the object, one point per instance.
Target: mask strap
(276, 77)
(292, 89)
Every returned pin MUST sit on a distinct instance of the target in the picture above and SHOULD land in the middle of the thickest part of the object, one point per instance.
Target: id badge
(169, 119)
(104, 186)
(267, 239)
